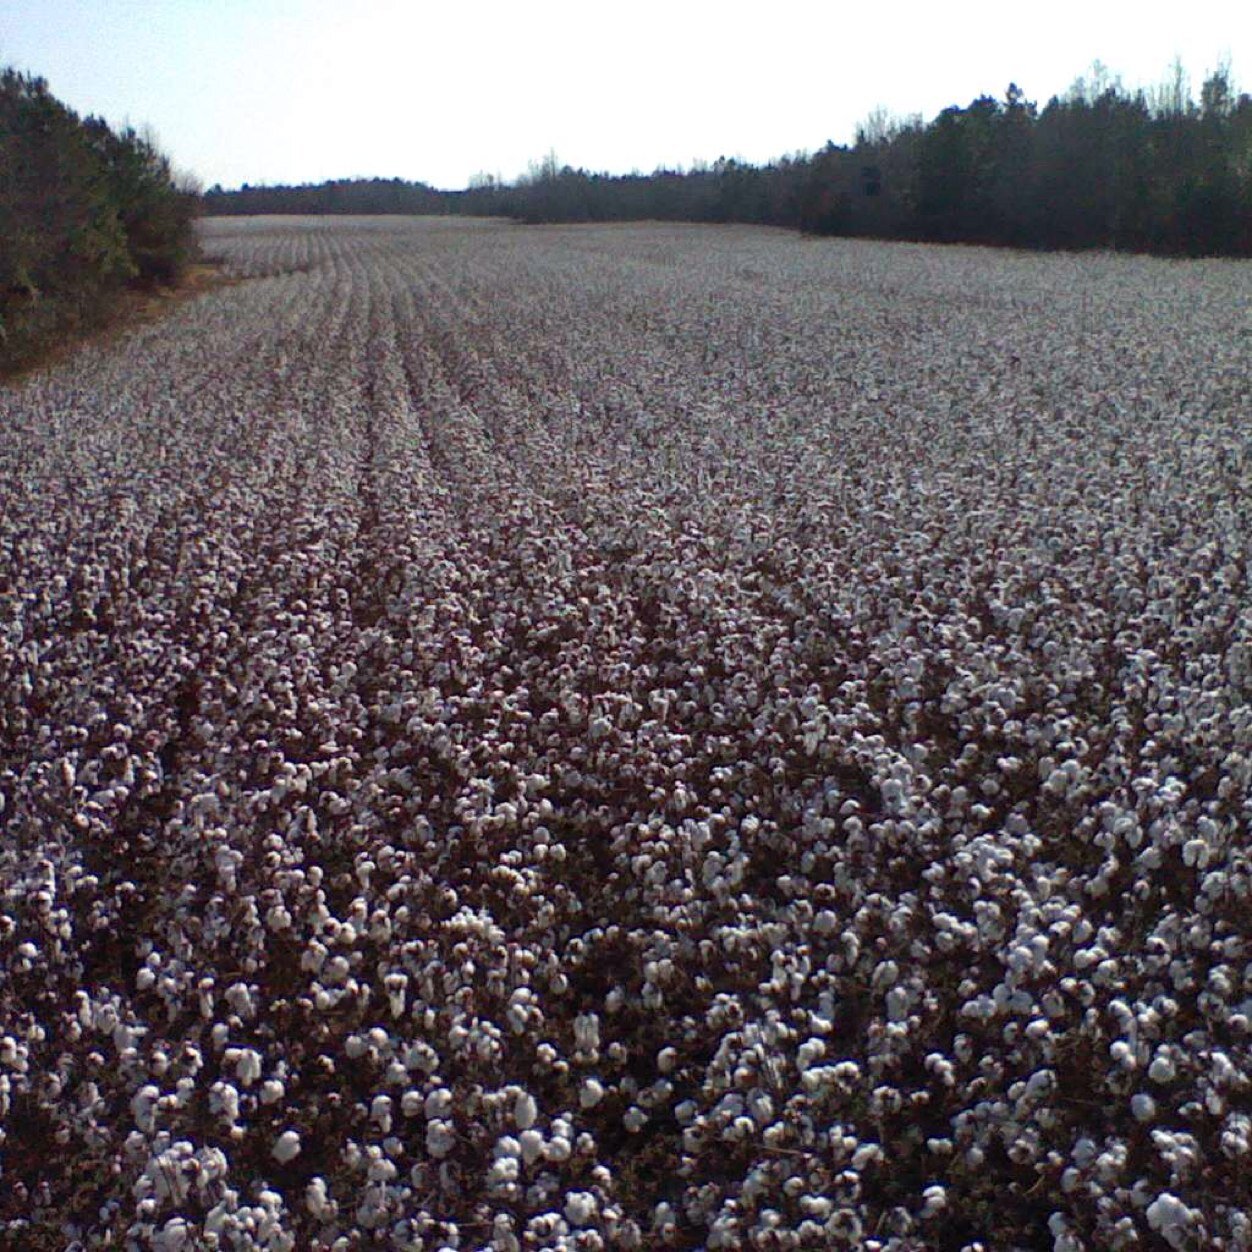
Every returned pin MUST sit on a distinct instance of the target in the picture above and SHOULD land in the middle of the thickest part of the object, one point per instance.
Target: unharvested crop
(628, 738)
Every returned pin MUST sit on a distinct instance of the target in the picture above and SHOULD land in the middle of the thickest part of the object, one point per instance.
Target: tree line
(85, 212)
(348, 195)
(1099, 167)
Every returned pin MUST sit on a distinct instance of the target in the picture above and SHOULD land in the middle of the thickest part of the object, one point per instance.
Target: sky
(273, 91)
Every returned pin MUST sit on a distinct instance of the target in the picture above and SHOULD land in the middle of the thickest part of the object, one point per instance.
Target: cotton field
(639, 737)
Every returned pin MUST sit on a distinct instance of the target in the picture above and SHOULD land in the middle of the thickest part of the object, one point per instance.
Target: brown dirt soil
(134, 307)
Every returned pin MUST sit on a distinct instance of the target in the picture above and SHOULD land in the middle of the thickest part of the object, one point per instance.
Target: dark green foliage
(361, 195)
(1101, 168)
(83, 212)
(156, 216)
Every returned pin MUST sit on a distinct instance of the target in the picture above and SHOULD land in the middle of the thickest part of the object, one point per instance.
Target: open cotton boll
(317, 1200)
(1171, 1219)
(632, 736)
(580, 1208)
(174, 1235)
(525, 1110)
(440, 1138)
(531, 1145)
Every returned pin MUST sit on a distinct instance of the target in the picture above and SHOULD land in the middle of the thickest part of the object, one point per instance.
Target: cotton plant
(509, 744)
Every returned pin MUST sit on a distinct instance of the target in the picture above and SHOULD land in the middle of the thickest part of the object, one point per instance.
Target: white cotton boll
(666, 1059)
(1063, 1239)
(1040, 1083)
(272, 1091)
(502, 1237)
(503, 1171)
(809, 1052)
(174, 1235)
(381, 1170)
(1195, 852)
(380, 1113)
(760, 1107)
(587, 1032)
(224, 1101)
(1162, 1069)
(239, 997)
(287, 1147)
(248, 1066)
(580, 1208)
(440, 1138)
(1169, 1216)
(897, 1004)
(278, 918)
(525, 1111)
(1143, 1107)
(634, 1119)
(1123, 1054)
(531, 1144)
(396, 986)
(439, 1103)
(315, 1198)
(590, 1093)
(411, 1103)
(143, 1107)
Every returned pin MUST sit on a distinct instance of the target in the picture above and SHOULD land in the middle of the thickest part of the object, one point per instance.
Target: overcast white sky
(302, 90)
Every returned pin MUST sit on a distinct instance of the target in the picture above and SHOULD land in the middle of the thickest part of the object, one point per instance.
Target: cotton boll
(587, 1032)
(634, 1119)
(438, 1103)
(809, 1053)
(502, 1237)
(1171, 1218)
(531, 1145)
(317, 1201)
(396, 986)
(143, 1107)
(286, 1147)
(525, 1110)
(174, 1235)
(1162, 1069)
(380, 1113)
(247, 1066)
(580, 1208)
(440, 1138)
